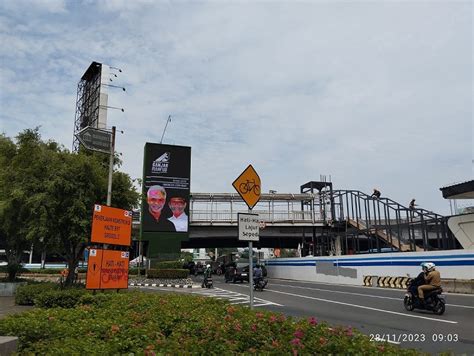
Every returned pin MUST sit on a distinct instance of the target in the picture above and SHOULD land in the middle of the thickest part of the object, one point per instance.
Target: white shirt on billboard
(180, 223)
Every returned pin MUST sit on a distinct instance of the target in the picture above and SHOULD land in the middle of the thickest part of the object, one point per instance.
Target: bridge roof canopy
(263, 197)
(463, 190)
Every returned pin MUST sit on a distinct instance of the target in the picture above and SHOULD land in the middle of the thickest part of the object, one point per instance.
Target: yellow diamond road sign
(248, 186)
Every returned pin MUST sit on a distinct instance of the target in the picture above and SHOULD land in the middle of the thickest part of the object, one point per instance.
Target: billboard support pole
(111, 168)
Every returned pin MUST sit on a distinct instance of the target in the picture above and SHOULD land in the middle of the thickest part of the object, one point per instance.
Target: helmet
(423, 266)
(430, 266)
(208, 266)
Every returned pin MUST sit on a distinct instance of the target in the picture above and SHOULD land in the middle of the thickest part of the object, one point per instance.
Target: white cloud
(41, 6)
(374, 94)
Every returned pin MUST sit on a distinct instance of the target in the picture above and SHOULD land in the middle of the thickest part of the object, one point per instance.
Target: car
(136, 261)
(235, 275)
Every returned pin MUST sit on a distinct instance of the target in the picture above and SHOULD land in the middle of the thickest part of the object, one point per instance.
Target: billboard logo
(160, 165)
(97, 207)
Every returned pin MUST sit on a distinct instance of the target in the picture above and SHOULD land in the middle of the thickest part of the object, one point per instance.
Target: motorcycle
(207, 282)
(259, 284)
(435, 301)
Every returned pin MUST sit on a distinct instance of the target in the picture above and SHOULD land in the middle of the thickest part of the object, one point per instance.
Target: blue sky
(375, 94)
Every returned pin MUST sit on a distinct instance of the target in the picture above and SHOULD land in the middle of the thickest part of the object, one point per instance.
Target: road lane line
(360, 287)
(364, 307)
(361, 294)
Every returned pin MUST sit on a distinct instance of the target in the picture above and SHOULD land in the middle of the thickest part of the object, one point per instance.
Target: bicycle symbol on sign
(249, 186)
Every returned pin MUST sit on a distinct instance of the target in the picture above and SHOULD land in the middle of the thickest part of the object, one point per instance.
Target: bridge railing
(230, 216)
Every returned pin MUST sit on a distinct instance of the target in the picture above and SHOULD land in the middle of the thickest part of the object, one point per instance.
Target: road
(374, 311)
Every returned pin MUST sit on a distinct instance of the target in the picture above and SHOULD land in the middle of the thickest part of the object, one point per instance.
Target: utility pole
(167, 121)
(111, 167)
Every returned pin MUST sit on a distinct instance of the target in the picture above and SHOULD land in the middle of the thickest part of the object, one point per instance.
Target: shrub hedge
(168, 265)
(26, 295)
(171, 324)
(134, 271)
(65, 298)
(168, 273)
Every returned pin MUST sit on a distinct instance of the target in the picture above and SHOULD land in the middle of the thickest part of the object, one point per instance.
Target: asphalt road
(376, 312)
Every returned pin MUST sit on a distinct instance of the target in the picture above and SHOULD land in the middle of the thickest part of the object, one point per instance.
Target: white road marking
(361, 287)
(360, 294)
(364, 307)
(233, 297)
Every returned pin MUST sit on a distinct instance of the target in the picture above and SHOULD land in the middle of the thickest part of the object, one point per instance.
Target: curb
(161, 285)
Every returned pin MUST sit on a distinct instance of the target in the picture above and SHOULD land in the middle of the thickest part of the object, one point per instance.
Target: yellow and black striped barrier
(387, 281)
(368, 281)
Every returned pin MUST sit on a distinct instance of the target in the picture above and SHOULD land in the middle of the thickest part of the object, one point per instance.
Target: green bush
(26, 295)
(168, 273)
(168, 265)
(171, 324)
(49, 270)
(134, 271)
(64, 298)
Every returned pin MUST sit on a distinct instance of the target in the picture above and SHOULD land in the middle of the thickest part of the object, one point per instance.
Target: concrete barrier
(8, 345)
(396, 267)
(8, 289)
(448, 284)
(465, 286)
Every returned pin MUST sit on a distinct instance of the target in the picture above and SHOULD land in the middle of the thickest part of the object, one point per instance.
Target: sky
(374, 94)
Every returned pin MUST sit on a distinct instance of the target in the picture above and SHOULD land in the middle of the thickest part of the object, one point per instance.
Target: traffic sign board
(95, 139)
(248, 186)
(107, 269)
(111, 225)
(249, 227)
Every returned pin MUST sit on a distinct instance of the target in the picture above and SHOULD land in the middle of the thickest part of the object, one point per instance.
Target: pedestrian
(412, 204)
(376, 193)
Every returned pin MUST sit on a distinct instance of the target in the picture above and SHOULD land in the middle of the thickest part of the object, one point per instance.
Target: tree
(81, 182)
(22, 187)
(47, 196)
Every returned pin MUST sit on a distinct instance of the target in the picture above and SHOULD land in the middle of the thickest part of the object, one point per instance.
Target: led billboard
(166, 188)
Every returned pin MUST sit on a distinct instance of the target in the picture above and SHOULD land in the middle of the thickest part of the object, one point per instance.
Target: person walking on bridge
(376, 194)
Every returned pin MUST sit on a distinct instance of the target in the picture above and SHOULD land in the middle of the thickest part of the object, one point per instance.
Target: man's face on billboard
(177, 206)
(156, 200)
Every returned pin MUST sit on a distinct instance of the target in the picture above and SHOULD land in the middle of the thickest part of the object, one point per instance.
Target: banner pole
(251, 273)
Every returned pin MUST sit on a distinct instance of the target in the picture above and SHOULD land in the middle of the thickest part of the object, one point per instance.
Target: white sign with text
(249, 227)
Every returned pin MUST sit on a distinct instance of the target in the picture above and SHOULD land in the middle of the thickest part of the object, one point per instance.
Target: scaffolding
(91, 102)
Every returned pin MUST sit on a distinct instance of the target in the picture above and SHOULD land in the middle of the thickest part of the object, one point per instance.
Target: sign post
(248, 186)
(100, 141)
(108, 269)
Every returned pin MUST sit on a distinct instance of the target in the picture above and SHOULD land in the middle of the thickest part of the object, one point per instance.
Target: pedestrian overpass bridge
(321, 222)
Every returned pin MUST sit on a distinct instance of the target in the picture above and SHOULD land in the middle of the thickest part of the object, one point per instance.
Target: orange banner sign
(111, 226)
(107, 269)
(93, 269)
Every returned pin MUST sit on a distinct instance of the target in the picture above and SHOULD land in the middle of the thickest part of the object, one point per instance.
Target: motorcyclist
(257, 274)
(418, 281)
(207, 275)
(230, 271)
(432, 281)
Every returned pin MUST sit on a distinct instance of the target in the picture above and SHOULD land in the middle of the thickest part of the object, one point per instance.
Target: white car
(136, 261)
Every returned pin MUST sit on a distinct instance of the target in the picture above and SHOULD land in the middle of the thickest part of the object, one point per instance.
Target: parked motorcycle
(259, 284)
(435, 301)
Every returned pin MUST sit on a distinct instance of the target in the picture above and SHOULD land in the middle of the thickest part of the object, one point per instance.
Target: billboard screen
(166, 188)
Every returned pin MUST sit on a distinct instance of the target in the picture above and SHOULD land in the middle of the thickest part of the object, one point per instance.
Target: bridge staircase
(390, 224)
